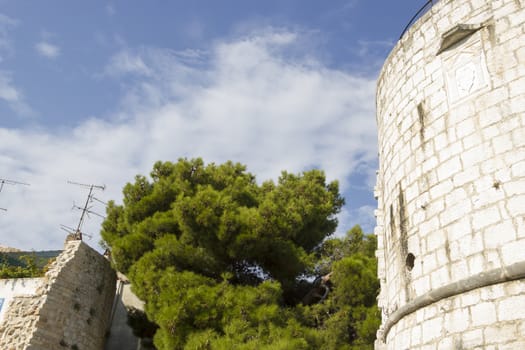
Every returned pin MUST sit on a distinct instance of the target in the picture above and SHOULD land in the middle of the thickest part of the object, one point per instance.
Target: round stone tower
(451, 180)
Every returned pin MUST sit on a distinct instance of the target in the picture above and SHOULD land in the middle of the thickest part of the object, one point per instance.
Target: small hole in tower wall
(410, 261)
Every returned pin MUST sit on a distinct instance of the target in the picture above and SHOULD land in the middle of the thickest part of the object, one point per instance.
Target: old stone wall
(15, 287)
(451, 183)
(20, 321)
(70, 310)
(484, 318)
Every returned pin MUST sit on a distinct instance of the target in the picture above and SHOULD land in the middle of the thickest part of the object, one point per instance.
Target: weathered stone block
(510, 309)
(499, 234)
(513, 252)
(483, 314)
(485, 217)
(432, 329)
(457, 321)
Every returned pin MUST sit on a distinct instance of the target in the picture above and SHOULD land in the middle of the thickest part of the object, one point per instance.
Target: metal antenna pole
(86, 210)
(72, 231)
(81, 221)
(10, 182)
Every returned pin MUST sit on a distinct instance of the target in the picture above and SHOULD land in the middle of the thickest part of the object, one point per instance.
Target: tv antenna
(10, 182)
(86, 209)
(72, 231)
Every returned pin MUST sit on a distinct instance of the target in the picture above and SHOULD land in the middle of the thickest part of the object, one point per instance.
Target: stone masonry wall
(71, 310)
(20, 321)
(14, 287)
(484, 318)
(451, 182)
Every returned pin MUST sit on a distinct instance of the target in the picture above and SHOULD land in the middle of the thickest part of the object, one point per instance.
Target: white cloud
(13, 96)
(245, 100)
(125, 63)
(364, 216)
(9, 93)
(47, 49)
(6, 24)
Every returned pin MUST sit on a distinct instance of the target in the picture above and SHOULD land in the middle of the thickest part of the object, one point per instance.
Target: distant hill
(13, 258)
(5, 249)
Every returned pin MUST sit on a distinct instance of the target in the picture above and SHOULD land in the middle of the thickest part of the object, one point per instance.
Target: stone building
(451, 180)
(69, 308)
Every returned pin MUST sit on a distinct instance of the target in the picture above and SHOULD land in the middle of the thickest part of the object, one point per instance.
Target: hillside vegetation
(18, 264)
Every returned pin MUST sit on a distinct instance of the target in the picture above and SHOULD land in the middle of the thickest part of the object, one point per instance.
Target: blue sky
(96, 92)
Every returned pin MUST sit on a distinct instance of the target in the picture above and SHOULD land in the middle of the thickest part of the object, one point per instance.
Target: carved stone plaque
(465, 69)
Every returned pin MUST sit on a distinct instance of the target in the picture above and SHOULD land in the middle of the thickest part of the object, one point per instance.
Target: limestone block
(485, 217)
(474, 155)
(483, 314)
(450, 167)
(446, 343)
(511, 308)
(472, 339)
(489, 116)
(455, 212)
(513, 252)
(435, 240)
(520, 52)
(455, 196)
(459, 270)
(499, 234)
(492, 258)
(457, 321)
(442, 255)
(469, 174)
(516, 205)
(453, 149)
(440, 189)
(421, 285)
(502, 143)
(518, 137)
(432, 346)
(402, 340)
(476, 263)
(494, 292)
(429, 226)
(515, 288)
(432, 329)
(520, 225)
(439, 277)
(519, 344)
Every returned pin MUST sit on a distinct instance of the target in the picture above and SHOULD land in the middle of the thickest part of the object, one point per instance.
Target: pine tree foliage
(222, 262)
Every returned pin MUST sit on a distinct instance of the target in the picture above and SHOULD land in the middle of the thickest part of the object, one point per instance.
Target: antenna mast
(10, 182)
(86, 210)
